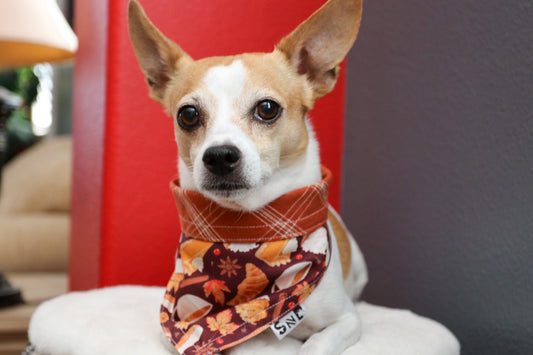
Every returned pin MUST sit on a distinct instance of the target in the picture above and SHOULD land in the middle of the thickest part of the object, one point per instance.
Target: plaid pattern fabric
(293, 214)
(238, 273)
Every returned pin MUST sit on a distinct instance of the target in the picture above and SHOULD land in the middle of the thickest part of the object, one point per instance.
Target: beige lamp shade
(34, 31)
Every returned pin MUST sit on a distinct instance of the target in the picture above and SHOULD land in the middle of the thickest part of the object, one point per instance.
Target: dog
(244, 141)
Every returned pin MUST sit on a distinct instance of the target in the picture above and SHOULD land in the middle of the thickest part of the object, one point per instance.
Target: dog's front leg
(337, 337)
(331, 324)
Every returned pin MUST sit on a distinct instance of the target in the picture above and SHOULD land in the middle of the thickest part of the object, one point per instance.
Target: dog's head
(240, 121)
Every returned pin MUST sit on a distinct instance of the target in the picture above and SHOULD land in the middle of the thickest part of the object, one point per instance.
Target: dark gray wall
(438, 174)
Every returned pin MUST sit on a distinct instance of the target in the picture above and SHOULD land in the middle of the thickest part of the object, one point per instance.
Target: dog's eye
(188, 117)
(267, 110)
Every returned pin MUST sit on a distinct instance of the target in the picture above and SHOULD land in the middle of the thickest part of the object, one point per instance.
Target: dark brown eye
(267, 110)
(188, 117)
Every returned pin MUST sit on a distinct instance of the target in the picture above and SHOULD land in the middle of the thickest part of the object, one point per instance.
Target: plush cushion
(401, 332)
(39, 179)
(125, 320)
(113, 321)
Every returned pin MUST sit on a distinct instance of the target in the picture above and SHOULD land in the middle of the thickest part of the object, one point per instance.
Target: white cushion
(125, 320)
(401, 332)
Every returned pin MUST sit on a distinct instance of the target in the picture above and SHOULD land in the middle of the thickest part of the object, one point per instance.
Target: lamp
(31, 31)
(34, 31)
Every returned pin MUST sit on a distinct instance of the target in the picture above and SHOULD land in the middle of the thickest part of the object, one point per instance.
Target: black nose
(222, 160)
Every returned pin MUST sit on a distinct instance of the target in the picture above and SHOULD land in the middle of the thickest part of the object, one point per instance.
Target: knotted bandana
(237, 273)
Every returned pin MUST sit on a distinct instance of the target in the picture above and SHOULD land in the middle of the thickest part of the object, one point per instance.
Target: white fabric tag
(286, 324)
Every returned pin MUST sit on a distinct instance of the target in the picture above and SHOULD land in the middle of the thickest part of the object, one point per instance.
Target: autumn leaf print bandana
(239, 272)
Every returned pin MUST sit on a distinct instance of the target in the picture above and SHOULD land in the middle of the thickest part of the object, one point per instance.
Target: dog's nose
(222, 160)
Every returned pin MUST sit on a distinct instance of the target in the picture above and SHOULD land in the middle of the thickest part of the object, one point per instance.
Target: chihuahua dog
(244, 141)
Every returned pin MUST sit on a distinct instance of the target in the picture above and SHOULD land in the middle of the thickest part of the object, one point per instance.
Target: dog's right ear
(318, 45)
(157, 55)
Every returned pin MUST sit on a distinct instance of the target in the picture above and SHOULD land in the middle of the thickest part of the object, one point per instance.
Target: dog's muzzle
(222, 160)
(224, 166)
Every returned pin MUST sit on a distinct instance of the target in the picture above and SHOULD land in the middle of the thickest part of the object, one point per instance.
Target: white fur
(279, 183)
(226, 102)
(225, 86)
(286, 179)
(331, 324)
(358, 274)
(223, 97)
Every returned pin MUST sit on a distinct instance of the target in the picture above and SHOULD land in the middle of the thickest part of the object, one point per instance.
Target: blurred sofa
(34, 233)
(34, 208)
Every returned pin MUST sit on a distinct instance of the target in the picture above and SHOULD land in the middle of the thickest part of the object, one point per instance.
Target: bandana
(238, 272)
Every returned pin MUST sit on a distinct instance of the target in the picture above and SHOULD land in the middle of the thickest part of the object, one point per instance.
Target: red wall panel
(135, 231)
(89, 103)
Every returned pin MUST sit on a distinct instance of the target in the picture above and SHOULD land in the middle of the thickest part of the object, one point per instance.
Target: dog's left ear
(318, 45)
(157, 55)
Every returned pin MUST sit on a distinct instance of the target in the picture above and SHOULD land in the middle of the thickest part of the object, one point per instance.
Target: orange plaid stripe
(291, 215)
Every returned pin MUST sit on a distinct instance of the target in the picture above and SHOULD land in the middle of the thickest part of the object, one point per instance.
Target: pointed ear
(318, 45)
(157, 55)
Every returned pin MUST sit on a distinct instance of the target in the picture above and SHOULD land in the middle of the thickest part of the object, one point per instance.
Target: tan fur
(343, 243)
(289, 135)
(270, 73)
(303, 67)
(172, 74)
(318, 45)
(281, 154)
(157, 55)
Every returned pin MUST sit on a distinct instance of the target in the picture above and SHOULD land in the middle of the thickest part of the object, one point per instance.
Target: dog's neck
(285, 179)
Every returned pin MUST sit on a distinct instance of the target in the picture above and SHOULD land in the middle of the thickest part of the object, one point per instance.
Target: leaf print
(254, 283)
(253, 311)
(229, 267)
(303, 290)
(194, 280)
(278, 252)
(163, 317)
(182, 325)
(188, 339)
(279, 306)
(217, 289)
(192, 253)
(205, 349)
(222, 323)
(245, 337)
(174, 283)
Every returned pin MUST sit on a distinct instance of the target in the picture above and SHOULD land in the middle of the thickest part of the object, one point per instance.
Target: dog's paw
(334, 339)
(317, 345)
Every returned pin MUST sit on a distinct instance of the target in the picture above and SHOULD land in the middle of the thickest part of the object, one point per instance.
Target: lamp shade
(34, 31)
